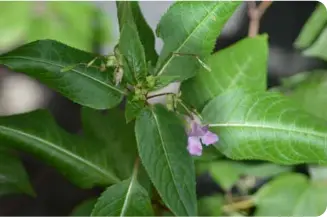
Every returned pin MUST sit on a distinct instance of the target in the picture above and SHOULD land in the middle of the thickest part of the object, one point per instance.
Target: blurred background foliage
(67, 22)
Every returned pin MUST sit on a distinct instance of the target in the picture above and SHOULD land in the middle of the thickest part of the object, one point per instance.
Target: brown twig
(255, 14)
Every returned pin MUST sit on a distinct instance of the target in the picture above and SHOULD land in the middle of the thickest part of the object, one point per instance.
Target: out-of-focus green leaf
(85, 208)
(44, 61)
(82, 161)
(14, 21)
(191, 28)
(115, 136)
(227, 173)
(13, 177)
(318, 48)
(310, 93)
(224, 174)
(162, 142)
(210, 206)
(243, 65)
(312, 27)
(265, 126)
(291, 195)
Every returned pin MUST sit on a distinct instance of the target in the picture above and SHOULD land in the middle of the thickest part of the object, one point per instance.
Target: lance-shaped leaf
(162, 142)
(45, 60)
(13, 177)
(130, 10)
(190, 28)
(115, 136)
(127, 198)
(266, 126)
(131, 48)
(312, 27)
(291, 195)
(83, 162)
(243, 64)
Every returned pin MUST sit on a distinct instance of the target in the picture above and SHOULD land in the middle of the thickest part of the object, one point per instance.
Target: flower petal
(196, 130)
(209, 138)
(194, 146)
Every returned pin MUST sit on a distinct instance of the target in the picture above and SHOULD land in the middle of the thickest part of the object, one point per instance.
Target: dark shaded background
(56, 196)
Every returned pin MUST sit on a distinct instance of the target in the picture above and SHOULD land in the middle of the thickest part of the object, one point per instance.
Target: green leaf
(44, 59)
(192, 28)
(132, 11)
(85, 208)
(210, 205)
(133, 109)
(224, 173)
(310, 94)
(127, 198)
(19, 15)
(243, 65)
(162, 145)
(116, 138)
(130, 46)
(227, 173)
(291, 195)
(265, 126)
(318, 48)
(13, 177)
(312, 27)
(82, 161)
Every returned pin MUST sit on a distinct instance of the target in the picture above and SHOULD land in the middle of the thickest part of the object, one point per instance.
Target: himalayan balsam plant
(146, 154)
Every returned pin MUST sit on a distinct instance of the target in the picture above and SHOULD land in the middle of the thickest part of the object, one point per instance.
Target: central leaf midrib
(59, 65)
(129, 191)
(167, 158)
(187, 38)
(64, 152)
(268, 127)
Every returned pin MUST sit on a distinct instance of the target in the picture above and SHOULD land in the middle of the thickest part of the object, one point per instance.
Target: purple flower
(197, 134)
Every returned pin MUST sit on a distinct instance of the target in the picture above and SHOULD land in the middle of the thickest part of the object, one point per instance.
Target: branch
(255, 13)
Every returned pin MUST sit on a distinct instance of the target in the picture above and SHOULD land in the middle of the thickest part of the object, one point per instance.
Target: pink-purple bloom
(197, 135)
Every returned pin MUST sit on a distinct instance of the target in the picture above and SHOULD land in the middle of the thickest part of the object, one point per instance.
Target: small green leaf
(115, 136)
(291, 195)
(133, 109)
(318, 48)
(162, 81)
(130, 46)
(44, 59)
(190, 28)
(132, 11)
(82, 161)
(85, 208)
(13, 177)
(162, 142)
(243, 65)
(210, 205)
(312, 27)
(127, 198)
(265, 126)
